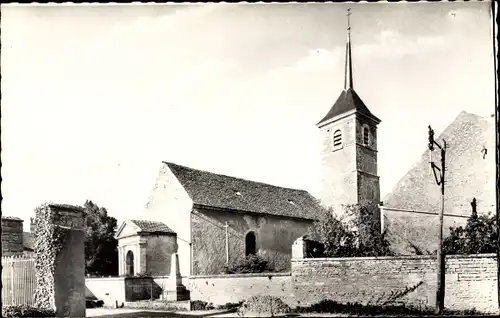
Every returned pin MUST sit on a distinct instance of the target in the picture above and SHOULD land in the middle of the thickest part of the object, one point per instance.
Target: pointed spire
(348, 62)
(348, 100)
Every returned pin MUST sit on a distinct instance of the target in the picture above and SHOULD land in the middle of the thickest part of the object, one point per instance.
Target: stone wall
(223, 289)
(110, 290)
(141, 288)
(12, 236)
(159, 250)
(471, 281)
(274, 238)
(118, 290)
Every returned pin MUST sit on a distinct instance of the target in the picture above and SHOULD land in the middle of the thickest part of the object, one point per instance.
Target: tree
(353, 233)
(101, 255)
(478, 236)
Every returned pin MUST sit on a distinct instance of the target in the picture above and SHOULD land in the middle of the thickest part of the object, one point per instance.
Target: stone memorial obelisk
(175, 291)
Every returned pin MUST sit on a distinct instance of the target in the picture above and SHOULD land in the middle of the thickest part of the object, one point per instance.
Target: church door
(130, 263)
(250, 244)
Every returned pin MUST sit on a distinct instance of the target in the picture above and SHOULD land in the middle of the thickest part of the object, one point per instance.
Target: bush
(249, 264)
(354, 234)
(26, 311)
(230, 306)
(478, 236)
(266, 305)
(201, 305)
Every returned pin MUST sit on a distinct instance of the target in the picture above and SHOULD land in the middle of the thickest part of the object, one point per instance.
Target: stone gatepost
(175, 291)
(60, 259)
(12, 236)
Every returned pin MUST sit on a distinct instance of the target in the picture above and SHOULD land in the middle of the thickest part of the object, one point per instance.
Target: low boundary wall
(471, 281)
(222, 289)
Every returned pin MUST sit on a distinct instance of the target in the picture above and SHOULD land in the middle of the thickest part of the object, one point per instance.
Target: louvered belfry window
(337, 139)
(366, 136)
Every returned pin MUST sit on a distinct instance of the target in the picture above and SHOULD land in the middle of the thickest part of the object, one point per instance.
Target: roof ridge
(233, 177)
(145, 225)
(148, 221)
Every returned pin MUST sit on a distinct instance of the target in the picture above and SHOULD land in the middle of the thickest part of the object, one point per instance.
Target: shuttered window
(337, 139)
(366, 136)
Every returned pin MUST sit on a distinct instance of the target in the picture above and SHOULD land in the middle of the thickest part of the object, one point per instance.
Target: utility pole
(227, 244)
(440, 254)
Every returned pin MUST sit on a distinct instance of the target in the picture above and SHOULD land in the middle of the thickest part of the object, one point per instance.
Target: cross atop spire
(348, 100)
(348, 62)
(348, 20)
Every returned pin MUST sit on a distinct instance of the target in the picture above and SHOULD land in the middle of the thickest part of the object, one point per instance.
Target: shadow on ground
(146, 314)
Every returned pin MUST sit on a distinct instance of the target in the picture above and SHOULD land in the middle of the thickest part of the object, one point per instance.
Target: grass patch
(330, 306)
(155, 305)
(203, 305)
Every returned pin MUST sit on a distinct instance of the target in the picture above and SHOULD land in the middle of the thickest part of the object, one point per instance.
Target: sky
(94, 98)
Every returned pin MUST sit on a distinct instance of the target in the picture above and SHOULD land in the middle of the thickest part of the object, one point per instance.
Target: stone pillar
(124, 261)
(141, 257)
(299, 248)
(68, 278)
(120, 260)
(175, 291)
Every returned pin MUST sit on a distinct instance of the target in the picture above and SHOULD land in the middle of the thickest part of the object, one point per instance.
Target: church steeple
(348, 100)
(348, 59)
(349, 147)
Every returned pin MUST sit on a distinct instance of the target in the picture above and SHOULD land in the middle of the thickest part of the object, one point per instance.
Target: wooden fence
(18, 280)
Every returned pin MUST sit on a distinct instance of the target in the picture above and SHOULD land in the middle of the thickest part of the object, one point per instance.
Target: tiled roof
(152, 227)
(468, 175)
(220, 191)
(13, 218)
(68, 207)
(347, 101)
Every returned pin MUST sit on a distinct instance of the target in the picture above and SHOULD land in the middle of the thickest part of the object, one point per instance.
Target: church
(212, 219)
(220, 218)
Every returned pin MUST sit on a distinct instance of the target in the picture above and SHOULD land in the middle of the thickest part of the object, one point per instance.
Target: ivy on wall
(48, 242)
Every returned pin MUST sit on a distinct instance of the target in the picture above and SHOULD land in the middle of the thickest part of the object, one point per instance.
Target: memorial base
(178, 293)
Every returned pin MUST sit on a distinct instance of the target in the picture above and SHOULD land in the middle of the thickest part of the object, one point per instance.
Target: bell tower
(349, 147)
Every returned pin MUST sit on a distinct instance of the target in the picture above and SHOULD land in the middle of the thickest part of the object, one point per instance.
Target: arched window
(250, 244)
(366, 136)
(130, 263)
(337, 139)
